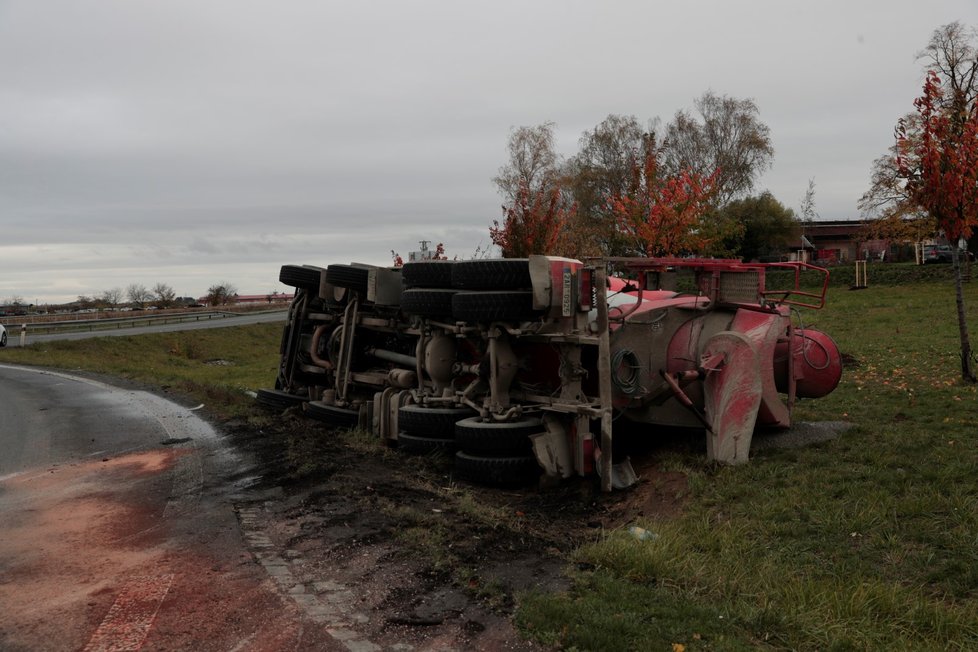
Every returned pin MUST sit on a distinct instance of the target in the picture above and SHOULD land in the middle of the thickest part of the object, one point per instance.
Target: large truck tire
(350, 277)
(429, 303)
(276, 399)
(422, 445)
(301, 276)
(497, 471)
(427, 274)
(333, 415)
(496, 438)
(438, 422)
(494, 274)
(510, 305)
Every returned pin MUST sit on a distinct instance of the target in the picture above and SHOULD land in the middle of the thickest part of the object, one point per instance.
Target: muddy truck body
(527, 367)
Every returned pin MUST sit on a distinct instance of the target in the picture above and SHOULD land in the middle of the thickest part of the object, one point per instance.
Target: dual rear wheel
(494, 453)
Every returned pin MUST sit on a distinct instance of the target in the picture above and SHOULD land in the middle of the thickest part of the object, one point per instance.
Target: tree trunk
(966, 367)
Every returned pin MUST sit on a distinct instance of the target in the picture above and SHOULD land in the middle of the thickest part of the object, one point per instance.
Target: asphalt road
(121, 527)
(49, 418)
(13, 331)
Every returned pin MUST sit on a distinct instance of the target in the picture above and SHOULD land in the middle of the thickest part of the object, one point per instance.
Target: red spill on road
(127, 624)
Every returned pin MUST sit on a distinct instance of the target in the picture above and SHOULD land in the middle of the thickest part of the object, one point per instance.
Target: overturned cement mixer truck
(525, 367)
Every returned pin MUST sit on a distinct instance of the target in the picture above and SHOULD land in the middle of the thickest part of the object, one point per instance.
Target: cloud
(189, 142)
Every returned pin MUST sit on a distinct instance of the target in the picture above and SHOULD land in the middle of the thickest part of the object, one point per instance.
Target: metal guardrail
(116, 323)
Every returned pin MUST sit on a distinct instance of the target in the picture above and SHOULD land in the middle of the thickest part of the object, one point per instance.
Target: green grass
(865, 542)
(213, 366)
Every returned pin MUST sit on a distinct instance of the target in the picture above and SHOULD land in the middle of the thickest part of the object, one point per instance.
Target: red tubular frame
(796, 292)
(716, 265)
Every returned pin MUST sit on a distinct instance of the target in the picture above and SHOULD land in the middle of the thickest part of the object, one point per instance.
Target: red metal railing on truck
(717, 279)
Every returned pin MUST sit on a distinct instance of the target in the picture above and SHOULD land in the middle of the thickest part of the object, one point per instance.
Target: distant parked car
(942, 254)
(937, 254)
(3, 336)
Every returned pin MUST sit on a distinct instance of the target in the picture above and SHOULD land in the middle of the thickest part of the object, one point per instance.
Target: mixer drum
(817, 364)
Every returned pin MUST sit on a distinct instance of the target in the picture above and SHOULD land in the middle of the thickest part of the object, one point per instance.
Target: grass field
(213, 366)
(869, 541)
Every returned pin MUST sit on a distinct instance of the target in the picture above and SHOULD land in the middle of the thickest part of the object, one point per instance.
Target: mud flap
(732, 396)
(622, 474)
(552, 449)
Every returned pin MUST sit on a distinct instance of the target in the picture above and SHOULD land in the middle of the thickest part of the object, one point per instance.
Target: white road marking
(131, 616)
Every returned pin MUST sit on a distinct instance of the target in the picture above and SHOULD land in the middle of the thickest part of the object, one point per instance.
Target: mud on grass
(435, 560)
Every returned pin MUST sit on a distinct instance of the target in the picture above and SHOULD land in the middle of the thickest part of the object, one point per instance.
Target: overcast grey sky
(195, 141)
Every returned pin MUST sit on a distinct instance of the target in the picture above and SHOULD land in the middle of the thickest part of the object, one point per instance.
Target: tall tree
(111, 297)
(221, 293)
(951, 54)
(888, 211)
(533, 223)
(807, 208)
(138, 294)
(769, 227)
(727, 145)
(661, 214)
(727, 137)
(937, 154)
(533, 165)
(164, 295)
(603, 168)
(887, 199)
(536, 210)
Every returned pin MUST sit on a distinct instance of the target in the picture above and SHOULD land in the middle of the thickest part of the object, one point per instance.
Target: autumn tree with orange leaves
(533, 223)
(661, 214)
(537, 212)
(937, 157)
(890, 212)
(624, 193)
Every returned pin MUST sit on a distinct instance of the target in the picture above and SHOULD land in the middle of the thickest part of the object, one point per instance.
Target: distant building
(843, 241)
(836, 241)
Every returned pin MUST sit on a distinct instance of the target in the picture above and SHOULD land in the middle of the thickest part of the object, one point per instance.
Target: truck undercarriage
(524, 366)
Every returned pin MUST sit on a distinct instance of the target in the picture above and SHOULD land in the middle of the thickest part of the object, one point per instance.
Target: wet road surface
(120, 527)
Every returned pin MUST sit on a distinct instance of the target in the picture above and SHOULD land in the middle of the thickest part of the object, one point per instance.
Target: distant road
(13, 332)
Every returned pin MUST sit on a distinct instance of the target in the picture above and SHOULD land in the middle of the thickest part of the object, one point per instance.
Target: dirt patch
(801, 434)
(422, 558)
